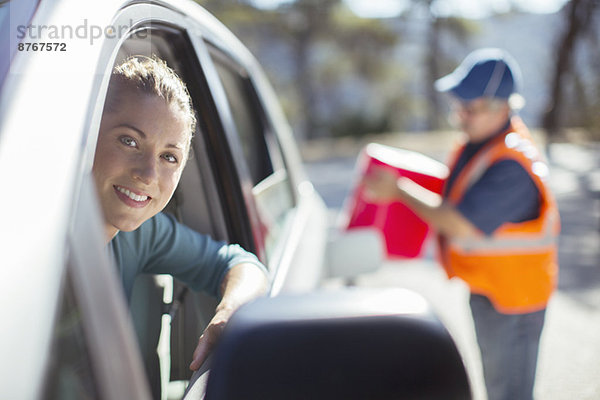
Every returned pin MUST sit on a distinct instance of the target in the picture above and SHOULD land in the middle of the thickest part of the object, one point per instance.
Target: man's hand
(381, 185)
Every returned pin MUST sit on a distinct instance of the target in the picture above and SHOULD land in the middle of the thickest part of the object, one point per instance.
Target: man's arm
(242, 283)
(383, 185)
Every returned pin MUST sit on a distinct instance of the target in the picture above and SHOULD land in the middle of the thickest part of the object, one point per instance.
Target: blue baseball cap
(487, 72)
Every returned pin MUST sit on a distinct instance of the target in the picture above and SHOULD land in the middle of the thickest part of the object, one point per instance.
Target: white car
(66, 332)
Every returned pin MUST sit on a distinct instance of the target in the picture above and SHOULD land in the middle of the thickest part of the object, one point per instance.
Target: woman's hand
(241, 284)
(210, 337)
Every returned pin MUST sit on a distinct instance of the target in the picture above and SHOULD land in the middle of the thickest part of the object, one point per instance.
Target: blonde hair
(153, 77)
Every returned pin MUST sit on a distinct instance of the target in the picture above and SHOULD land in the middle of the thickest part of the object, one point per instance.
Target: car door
(69, 334)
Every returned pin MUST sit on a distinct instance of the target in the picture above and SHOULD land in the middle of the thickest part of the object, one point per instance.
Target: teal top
(161, 245)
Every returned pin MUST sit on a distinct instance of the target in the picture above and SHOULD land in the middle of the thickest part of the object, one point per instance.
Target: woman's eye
(170, 158)
(128, 141)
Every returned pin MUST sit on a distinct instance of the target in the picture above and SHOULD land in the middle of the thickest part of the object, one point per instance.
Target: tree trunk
(578, 14)
(432, 73)
(308, 123)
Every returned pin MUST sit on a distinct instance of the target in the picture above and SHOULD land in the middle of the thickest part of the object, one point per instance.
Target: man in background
(497, 221)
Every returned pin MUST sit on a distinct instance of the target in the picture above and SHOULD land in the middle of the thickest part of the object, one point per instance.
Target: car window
(70, 374)
(246, 120)
(272, 189)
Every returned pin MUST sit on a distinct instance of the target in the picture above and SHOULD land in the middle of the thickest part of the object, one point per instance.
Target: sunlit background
(357, 67)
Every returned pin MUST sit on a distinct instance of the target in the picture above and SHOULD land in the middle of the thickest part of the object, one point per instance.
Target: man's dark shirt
(504, 193)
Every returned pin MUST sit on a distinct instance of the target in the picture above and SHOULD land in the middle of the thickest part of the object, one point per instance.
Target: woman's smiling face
(142, 148)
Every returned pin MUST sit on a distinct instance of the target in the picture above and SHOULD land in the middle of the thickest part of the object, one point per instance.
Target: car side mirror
(345, 344)
(354, 252)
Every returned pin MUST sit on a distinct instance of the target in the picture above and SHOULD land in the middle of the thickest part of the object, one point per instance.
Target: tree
(578, 15)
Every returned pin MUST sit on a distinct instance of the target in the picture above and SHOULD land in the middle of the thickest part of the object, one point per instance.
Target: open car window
(272, 190)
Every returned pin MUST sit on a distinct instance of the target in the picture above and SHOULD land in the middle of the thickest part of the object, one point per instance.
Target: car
(69, 332)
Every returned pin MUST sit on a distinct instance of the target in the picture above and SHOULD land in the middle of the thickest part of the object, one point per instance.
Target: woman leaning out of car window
(143, 145)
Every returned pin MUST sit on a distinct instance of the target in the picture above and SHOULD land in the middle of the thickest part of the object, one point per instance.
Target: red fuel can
(404, 231)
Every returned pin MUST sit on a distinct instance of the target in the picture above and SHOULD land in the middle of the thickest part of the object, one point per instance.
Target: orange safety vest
(516, 267)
